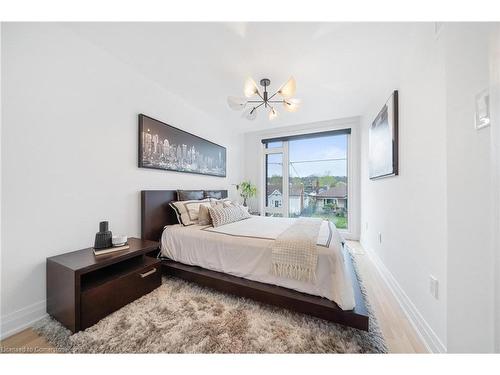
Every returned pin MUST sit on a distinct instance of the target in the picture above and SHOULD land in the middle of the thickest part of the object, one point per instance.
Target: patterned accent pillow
(225, 215)
(187, 211)
(221, 202)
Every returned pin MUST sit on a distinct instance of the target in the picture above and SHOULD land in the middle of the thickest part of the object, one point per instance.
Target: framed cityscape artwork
(383, 141)
(162, 146)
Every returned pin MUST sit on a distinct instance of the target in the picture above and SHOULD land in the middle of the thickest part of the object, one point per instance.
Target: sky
(320, 150)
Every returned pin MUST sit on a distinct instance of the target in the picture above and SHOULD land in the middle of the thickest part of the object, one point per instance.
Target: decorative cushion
(204, 216)
(222, 202)
(216, 194)
(225, 215)
(189, 195)
(187, 211)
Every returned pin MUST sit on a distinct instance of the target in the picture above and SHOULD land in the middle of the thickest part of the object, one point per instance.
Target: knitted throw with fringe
(294, 252)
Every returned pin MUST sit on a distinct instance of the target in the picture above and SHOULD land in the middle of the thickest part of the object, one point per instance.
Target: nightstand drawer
(101, 299)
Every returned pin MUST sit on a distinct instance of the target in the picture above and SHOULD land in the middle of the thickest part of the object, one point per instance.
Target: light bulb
(250, 113)
(250, 88)
(291, 105)
(288, 89)
(236, 103)
(273, 114)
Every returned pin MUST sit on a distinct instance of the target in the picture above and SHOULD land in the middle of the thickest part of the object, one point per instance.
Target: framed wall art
(383, 140)
(162, 146)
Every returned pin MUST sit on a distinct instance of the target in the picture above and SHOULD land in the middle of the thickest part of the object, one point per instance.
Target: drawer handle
(146, 274)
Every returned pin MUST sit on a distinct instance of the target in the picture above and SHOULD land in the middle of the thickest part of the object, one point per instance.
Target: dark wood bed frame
(156, 213)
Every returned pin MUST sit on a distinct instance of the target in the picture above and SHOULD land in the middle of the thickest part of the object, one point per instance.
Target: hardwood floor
(398, 332)
(26, 342)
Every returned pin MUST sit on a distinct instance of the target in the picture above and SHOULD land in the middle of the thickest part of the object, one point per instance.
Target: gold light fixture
(249, 104)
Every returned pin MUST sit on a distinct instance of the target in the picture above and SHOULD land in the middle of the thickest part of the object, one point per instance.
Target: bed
(235, 258)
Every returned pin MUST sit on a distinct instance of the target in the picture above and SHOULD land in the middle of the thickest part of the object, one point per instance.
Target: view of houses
(312, 196)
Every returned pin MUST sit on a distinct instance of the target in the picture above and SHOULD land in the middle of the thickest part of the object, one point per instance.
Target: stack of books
(110, 249)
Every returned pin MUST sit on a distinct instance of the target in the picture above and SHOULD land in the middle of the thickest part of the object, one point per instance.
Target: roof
(338, 191)
(295, 191)
(275, 192)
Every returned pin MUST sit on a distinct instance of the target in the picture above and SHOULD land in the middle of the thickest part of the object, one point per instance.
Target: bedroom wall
(409, 210)
(495, 149)
(469, 174)
(1, 127)
(254, 166)
(441, 221)
(69, 154)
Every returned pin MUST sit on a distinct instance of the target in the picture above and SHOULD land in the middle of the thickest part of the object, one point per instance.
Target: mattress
(243, 249)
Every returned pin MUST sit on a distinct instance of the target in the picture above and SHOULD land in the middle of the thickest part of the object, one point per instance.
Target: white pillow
(224, 215)
(187, 211)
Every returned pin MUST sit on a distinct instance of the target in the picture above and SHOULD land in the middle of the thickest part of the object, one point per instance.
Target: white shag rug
(182, 317)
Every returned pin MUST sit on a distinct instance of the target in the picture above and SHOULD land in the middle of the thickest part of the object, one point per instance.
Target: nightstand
(83, 288)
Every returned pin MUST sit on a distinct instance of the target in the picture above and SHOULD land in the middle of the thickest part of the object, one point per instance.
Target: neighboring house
(275, 199)
(298, 199)
(336, 195)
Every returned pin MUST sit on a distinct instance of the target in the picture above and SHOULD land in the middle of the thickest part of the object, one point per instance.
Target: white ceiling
(340, 68)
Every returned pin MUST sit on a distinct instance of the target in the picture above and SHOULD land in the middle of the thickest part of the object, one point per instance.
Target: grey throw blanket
(294, 252)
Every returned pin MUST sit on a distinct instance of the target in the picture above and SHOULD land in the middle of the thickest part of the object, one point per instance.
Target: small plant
(247, 190)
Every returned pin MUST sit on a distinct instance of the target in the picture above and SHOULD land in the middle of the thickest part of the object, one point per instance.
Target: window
(274, 181)
(274, 144)
(316, 169)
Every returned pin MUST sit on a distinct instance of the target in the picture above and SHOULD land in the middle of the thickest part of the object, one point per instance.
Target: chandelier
(254, 99)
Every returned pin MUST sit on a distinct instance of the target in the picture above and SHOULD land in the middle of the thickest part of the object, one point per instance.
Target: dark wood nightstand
(83, 288)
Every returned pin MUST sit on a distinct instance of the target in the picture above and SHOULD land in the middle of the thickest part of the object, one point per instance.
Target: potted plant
(247, 190)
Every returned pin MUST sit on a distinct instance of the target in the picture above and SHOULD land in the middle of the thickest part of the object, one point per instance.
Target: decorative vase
(103, 237)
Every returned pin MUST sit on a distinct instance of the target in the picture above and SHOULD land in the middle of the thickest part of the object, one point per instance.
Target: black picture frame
(383, 154)
(165, 147)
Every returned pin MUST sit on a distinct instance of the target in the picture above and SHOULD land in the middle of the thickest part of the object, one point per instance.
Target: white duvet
(243, 249)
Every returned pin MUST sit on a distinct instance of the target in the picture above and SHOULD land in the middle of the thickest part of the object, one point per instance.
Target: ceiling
(340, 68)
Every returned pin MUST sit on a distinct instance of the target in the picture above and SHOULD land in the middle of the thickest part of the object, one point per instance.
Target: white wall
(469, 174)
(495, 149)
(1, 127)
(69, 154)
(254, 162)
(409, 210)
(441, 219)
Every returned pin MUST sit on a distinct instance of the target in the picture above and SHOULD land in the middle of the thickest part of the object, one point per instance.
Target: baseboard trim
(21, 319)
(423, 329)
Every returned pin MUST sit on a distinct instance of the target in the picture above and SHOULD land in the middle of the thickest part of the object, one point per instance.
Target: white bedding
(243, 249)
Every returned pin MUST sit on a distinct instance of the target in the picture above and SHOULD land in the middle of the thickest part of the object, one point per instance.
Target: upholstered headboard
(156, 211)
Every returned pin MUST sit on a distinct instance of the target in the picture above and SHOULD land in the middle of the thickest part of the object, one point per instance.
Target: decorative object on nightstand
(119, 243)
(103, 237)
(246, 190)
(119, 240)
(83, 288)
